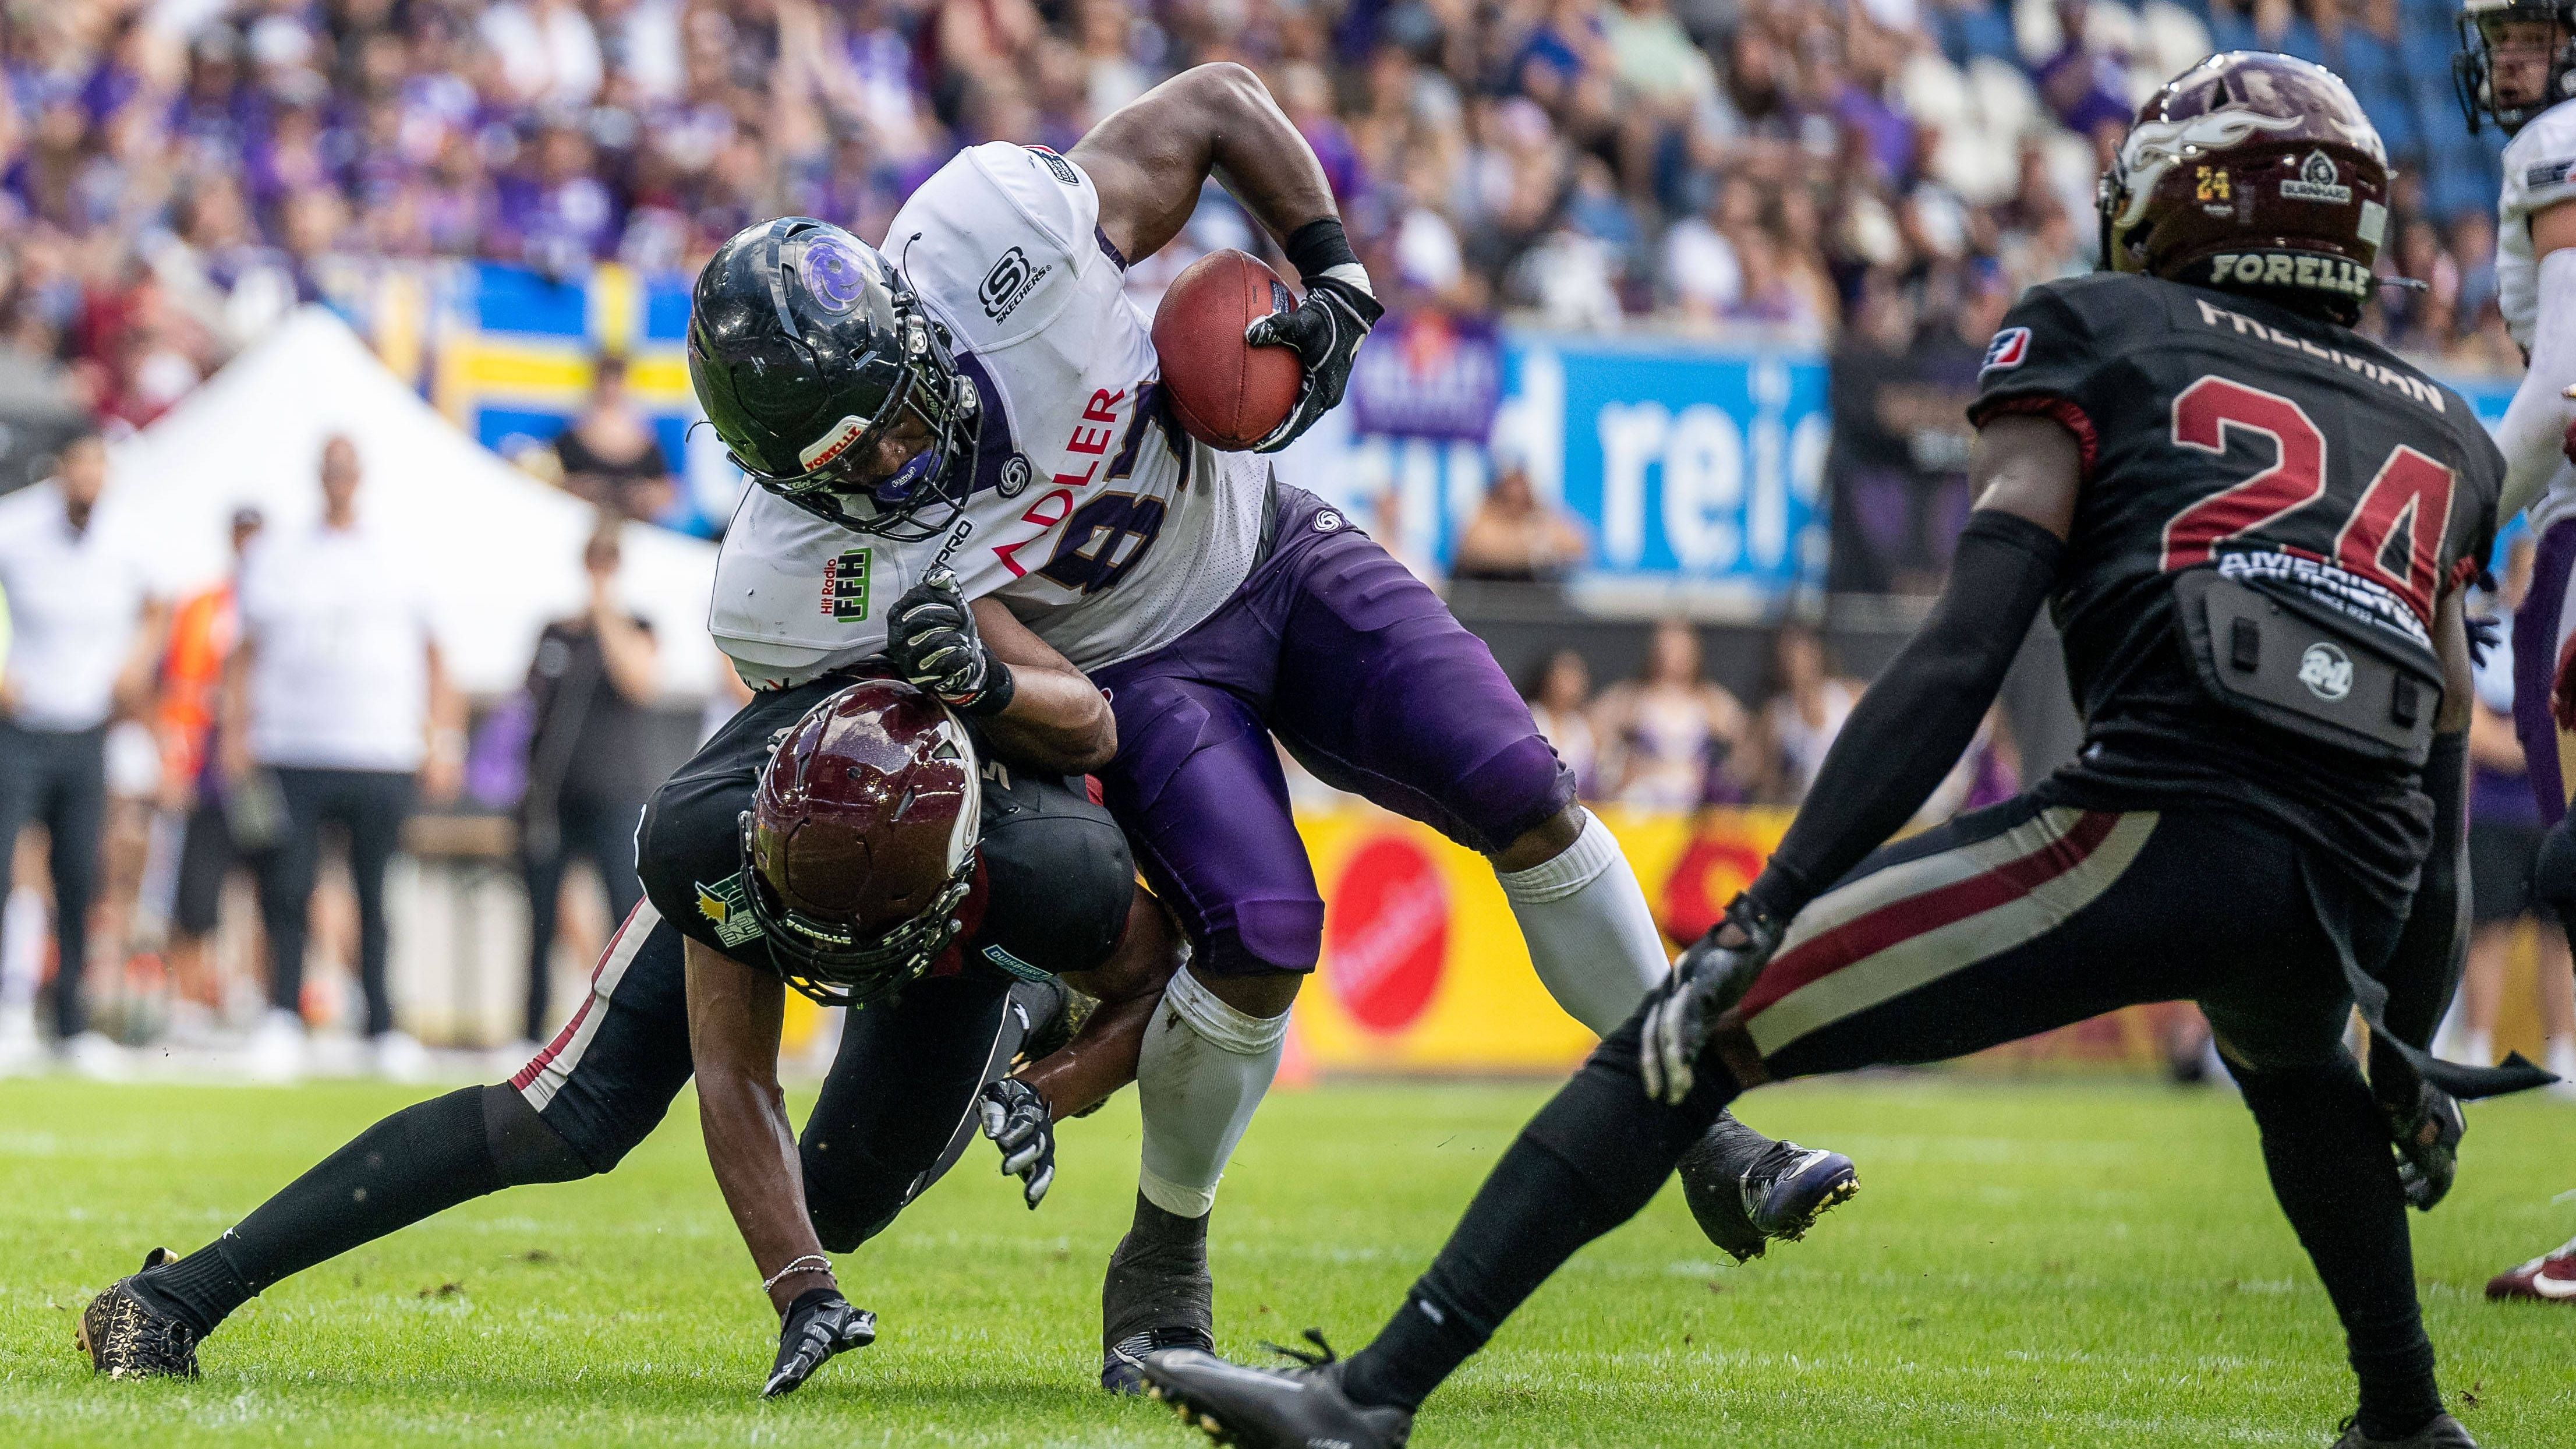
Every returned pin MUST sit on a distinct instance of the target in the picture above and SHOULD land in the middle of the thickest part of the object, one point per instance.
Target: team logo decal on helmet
(2254, 172)
(834, 274)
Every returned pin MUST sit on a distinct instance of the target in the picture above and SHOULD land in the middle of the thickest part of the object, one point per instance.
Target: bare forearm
(1101, 1058)
(1057, 720)
(752, 1149)
(734, 1019)
(1149, 158)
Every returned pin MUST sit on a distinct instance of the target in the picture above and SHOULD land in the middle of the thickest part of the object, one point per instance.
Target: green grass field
(2050, 1263)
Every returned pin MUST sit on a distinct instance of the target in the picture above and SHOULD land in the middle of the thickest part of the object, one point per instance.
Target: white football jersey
(1106, 532)
(2539, 172)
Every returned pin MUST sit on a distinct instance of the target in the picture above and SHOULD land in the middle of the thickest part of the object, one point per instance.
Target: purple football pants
(2541, 629)
(1366, 677)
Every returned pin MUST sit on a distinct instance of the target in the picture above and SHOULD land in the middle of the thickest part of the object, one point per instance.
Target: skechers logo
(1009, 283)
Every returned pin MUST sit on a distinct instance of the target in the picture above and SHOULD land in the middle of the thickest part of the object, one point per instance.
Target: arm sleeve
(2424, 969)
(1917, 719)
(2534, 431)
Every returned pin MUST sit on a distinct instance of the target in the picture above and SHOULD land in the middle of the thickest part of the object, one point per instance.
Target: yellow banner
(1424, 968)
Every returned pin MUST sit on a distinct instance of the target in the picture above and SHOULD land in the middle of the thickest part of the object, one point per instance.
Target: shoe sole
(1844, 1186)
(1189, 1413)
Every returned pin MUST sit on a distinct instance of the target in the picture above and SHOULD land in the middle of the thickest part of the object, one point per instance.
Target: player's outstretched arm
(1907, 732)
(735, 1014)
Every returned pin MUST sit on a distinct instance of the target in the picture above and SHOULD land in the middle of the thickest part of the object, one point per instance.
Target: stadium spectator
(1805, 709)
(85, 629)
(203, 630)
(336, 704)
(1513, 537)
(609, 454)
(1560, 699)
(1671, 736)
(591, 766)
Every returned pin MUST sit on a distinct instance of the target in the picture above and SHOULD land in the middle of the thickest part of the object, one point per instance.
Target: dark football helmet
(805, 347)
(2487, 26)
(859, 847)
(2255, 173)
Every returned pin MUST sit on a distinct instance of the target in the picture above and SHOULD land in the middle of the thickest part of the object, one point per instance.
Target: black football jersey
(2224, 433)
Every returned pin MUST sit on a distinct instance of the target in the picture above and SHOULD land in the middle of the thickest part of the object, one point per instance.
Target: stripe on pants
(546, 1072)
(1910, 924)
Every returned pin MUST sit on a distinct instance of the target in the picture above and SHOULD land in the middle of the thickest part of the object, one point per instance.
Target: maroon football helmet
(2255, 173)
(860, 843)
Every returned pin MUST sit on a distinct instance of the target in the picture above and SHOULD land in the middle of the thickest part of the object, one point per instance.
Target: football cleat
(127, 1338)
(2444, 1432)
(2550, 1278)
(1748, 1191)
(1250, 1408)
(1157, 1295)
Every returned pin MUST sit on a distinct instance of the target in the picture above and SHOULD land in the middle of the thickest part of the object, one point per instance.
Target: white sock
(1590, 934)
(1203, 1069)
(22, 946)
(2477, 1048)
(2559, 1056)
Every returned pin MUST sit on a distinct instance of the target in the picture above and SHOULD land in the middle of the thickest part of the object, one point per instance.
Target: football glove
(1016, 1117)
(1711, 976)
(2427, 1136)
(932, 639)
(1325, 330)
(819, 1324)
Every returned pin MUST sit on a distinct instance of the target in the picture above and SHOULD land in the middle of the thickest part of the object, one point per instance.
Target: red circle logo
(1386, 934)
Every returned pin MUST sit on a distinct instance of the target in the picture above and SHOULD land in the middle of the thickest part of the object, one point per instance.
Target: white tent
(503, 550)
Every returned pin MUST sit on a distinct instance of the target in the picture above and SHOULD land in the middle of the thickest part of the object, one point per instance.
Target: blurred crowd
(1670, 738)
(173, 173)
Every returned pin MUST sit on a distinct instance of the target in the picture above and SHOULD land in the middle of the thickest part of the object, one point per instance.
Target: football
(1227, 393)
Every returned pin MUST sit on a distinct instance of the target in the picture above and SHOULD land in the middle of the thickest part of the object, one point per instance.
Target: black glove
(2427, 1135)
(819, 1324)
(1711, 976)
(1326, 330)
(1017, 1118)
(932, 639)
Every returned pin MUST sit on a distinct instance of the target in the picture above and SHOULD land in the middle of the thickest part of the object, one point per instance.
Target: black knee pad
(852, 1196)
(524, 1149)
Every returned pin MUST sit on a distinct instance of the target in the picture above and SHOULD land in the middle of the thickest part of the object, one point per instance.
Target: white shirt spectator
(75, 600)
(1700, 267)
(547, 49)
(339, 622)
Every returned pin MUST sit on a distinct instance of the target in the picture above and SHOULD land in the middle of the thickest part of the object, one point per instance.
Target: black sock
(420, 1161)
(1158, 1276)
(1585, 1164)
(2327, 1149)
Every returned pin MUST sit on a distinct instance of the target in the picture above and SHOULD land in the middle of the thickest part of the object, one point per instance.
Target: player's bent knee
(852, 1195)
(524, 1149)
(1544, 841)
